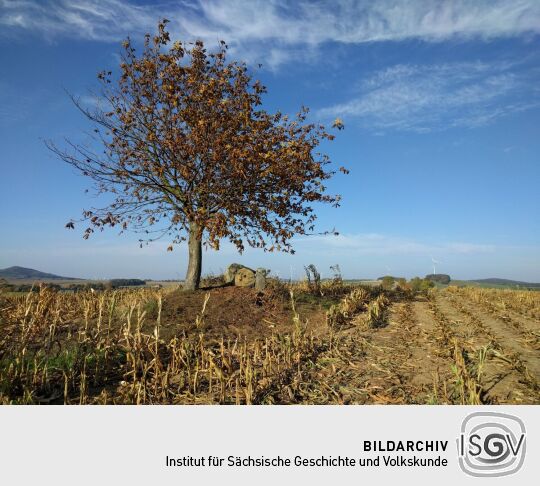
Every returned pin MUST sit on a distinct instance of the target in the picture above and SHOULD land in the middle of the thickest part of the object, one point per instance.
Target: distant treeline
(126, 282)
(441, 278)
(434, 277)
(111, 284)
(416, 284)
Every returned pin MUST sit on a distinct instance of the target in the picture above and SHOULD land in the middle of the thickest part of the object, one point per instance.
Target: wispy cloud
(378, 244)
(99, 20)
(275, 30)
(424, 98)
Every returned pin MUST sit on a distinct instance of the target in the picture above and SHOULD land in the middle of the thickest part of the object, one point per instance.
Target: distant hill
(29, 274)
(504, 282)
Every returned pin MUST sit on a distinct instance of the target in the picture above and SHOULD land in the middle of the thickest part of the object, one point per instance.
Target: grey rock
(260, 278)
(232, 270)
(245, 277)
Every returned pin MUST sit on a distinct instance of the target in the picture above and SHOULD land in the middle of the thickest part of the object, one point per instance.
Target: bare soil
(234, 312)
(408, 360)
(411, 360)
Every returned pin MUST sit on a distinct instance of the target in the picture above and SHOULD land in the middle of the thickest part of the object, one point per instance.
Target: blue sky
(440, 99)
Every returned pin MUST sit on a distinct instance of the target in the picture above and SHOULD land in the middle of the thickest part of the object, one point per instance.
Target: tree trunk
(193, 274)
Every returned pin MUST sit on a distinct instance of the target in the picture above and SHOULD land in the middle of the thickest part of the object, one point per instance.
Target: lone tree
(185, 151)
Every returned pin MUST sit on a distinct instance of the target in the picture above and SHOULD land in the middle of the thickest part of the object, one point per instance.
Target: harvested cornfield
(286, 345)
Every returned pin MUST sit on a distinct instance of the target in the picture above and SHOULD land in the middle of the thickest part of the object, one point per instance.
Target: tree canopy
(187, 152)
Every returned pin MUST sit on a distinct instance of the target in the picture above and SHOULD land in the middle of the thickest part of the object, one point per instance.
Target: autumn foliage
(187, 152)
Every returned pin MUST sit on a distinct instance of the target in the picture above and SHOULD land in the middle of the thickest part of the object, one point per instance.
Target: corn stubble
(90, 348)
(108, 348)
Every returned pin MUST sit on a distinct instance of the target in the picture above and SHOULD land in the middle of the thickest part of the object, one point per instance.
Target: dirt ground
(412, 359)
(409, 360)
(233, 312)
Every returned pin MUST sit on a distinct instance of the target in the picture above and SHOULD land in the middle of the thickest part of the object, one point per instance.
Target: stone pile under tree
(242, 276)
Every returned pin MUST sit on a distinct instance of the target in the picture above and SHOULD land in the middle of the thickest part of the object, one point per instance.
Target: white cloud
(101, 20)
(269, 30)
(368, 21)
(433, 97)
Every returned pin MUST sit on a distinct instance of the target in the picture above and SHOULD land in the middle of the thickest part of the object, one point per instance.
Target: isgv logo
(491, 444)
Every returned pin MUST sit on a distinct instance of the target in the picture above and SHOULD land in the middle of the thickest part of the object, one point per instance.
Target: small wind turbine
(434, 262)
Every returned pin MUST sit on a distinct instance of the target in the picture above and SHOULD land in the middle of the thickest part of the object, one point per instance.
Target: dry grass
(523, 302)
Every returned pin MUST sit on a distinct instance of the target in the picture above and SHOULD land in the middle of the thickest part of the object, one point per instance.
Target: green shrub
(387, 282)
(418, 284)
